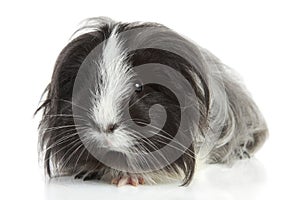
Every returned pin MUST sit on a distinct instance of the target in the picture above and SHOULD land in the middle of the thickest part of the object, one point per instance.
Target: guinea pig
(135, 103)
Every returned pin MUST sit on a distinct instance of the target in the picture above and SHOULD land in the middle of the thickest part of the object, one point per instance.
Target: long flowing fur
(224, 105)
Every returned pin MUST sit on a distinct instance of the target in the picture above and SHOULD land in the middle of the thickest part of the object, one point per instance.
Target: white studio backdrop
(259, 39)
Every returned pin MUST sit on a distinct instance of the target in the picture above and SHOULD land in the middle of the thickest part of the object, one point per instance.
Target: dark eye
(138, 87)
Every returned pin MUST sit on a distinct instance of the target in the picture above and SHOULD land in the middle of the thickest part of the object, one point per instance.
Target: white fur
(116, 88)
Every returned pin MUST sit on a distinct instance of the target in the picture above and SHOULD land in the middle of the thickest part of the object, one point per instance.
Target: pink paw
(130, 180)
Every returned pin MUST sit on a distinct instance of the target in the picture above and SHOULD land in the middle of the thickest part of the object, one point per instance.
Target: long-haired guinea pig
(134, 103)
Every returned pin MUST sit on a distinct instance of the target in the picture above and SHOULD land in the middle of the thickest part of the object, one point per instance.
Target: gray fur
(231, 125)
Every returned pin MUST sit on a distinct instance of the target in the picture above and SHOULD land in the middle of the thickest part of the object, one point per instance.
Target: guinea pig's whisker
(77, 117)
(141, 136)
(186, 151)
(138, 100)
(67, 145)
(59, 127)
(171, 139)
(159, 129)
(183, 148)
(141, 158)
(62, 140)
(136, 120)
(67, 138)
(71, 148)
(62, 115)
(66, 132)
(168, 138)
(151, 144)
(71, 155)
(84, 98)
(78, 158)
(154, 160)
(172, 146)
(136, 160)
(72, 103)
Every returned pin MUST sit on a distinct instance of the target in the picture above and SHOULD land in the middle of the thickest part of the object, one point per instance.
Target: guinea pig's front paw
(128, 180)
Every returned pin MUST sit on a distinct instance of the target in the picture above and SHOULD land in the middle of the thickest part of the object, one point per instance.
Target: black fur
(60, 145)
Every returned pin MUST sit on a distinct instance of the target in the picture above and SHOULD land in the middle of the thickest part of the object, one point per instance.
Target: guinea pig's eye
(138, 87)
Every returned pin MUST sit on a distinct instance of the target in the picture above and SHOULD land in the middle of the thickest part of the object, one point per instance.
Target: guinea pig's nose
(111, 127)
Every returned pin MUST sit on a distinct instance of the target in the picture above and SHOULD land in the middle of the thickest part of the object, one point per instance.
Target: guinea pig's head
(129, 96)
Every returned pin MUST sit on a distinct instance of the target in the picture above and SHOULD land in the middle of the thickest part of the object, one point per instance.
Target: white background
(260, 39)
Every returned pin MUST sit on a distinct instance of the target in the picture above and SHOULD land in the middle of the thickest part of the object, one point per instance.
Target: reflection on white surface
(243, 180)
